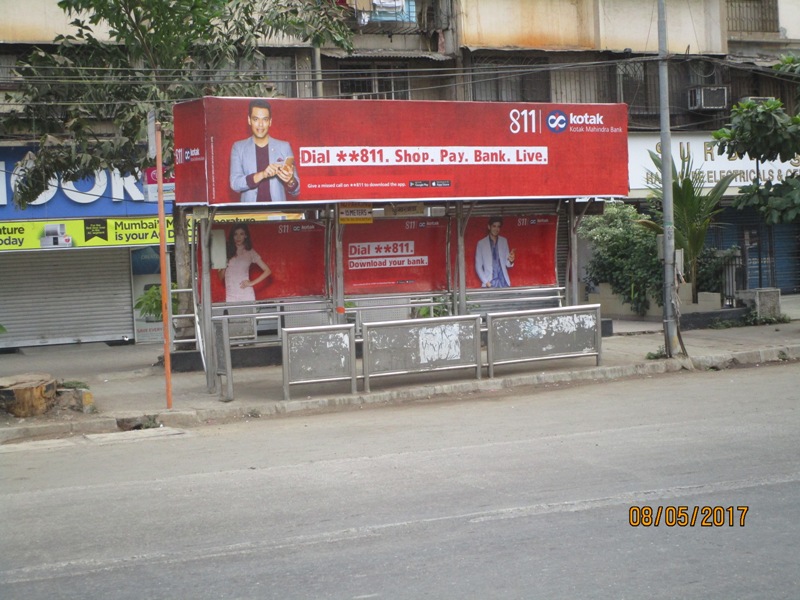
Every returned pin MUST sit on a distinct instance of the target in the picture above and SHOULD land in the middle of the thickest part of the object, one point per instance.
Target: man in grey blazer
(493, 257)
(262, 168)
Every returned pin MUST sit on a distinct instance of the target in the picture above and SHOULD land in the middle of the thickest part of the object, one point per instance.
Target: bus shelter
(357, 212)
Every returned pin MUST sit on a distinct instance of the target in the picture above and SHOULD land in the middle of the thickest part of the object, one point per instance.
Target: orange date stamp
(687, 516)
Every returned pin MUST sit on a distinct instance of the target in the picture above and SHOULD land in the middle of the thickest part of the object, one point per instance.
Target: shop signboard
(81, 233)
(709, 166)
(383, 150)
(107, 194)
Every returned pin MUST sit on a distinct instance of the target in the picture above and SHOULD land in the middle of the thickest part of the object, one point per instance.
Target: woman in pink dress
(238, 285)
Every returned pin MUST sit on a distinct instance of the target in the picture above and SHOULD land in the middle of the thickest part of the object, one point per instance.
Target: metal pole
(670, 325)
(166, 292)
(316, 59)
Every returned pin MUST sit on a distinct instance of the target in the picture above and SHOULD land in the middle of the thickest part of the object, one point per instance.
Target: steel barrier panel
(318, 354)
(417, 345)
(571, 331)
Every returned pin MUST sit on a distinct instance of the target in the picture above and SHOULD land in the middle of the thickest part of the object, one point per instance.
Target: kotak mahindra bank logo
(185, 155)
(558, 122)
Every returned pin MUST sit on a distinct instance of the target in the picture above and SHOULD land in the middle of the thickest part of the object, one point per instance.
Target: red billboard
(511, 251)
(260, 261)
(396, 256)
(232, 150)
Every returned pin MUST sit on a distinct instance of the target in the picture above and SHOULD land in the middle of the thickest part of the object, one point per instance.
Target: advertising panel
(229, 150)
(396, 256)
(511, 251)
(81, 233)
(263, 260)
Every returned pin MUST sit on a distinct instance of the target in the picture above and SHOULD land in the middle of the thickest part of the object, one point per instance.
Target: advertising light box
(229, 150)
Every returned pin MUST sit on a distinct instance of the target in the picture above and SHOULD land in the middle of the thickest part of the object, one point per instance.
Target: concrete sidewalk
(129, 386)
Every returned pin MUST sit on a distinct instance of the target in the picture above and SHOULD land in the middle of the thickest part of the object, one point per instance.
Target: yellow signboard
(82, 233)
(354, 213)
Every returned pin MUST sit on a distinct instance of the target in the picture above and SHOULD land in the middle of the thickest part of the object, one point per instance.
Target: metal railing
(261, 322)
(365, 309)
(505, 299)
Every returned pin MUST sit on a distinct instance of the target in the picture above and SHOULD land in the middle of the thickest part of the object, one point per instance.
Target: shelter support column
(338, 284)
(205, 287)
(461, 225)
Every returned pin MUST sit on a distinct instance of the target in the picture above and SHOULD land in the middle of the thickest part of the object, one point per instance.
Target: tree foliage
(624, 255)
(764, 131)
(85, 101)
(693, 209)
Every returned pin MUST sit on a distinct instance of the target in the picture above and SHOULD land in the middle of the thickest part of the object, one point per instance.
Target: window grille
(637, 86)
(8, 79)
(374, 81)
(498, 80)
(753, 16)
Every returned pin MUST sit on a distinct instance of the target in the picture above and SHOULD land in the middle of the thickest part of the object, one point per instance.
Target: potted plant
(149, 303)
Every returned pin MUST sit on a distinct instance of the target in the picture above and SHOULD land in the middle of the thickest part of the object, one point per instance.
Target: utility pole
(670, 325)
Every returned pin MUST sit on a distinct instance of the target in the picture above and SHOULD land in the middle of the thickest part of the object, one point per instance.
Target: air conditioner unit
(757, 99)
(708, 97)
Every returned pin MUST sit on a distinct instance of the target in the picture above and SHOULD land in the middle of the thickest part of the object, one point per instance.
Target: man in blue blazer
(262, 168)
(493, 258)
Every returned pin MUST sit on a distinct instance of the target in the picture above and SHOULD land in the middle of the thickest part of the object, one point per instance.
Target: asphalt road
(516, 494)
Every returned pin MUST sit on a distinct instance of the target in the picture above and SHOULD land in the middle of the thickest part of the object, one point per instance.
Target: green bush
(625, 255)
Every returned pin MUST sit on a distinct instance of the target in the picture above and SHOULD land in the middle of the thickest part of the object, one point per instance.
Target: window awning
(382, 53)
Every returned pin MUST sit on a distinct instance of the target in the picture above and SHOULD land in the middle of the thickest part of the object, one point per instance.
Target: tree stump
(28, 394)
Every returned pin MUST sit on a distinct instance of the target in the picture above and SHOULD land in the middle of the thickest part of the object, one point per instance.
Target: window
(374, 81)
(394, 10)
(753, 16)
(8, 79)
(276, 71)
(499, 80)
(637, 86)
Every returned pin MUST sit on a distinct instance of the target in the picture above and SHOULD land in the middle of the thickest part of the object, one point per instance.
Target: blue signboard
(108, 194)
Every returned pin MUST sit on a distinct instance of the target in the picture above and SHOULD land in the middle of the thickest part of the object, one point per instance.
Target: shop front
(73, 262)
(770, 253)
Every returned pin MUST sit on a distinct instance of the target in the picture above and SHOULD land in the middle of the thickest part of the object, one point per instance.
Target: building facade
(555, 51)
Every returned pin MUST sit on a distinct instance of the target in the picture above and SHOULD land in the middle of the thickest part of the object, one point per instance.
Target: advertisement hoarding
(389, 256)
(81, 233)
(293, 252)
(532, 238)
(372, 150)
(395, 256)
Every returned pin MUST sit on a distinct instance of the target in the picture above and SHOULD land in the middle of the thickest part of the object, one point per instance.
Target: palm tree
(693, 209)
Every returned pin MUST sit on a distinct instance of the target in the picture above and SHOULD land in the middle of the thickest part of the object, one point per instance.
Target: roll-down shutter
(70, 296)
